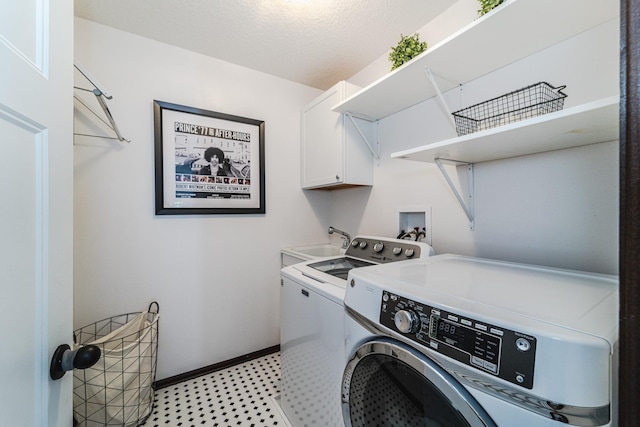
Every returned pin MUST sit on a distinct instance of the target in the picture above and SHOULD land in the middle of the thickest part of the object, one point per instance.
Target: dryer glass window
(387, 392)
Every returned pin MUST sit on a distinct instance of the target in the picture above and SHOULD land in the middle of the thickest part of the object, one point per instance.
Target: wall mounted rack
(101, 96)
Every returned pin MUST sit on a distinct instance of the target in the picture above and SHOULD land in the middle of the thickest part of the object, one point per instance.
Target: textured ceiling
(313, 42)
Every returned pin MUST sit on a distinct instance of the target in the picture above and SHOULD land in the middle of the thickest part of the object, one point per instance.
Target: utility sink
(315, 251)
(321, 250)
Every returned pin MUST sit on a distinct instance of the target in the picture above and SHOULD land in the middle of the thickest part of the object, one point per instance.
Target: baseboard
(166, 382)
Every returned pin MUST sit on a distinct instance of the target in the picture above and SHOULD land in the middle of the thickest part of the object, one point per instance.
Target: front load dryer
(460, 341)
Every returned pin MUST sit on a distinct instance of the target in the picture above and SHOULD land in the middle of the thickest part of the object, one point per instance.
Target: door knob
(64, 359)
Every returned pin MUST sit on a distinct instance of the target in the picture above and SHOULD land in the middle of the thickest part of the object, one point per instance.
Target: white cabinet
(335, 152)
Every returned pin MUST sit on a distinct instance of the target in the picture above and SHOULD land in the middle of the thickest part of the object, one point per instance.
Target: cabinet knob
(337, 177)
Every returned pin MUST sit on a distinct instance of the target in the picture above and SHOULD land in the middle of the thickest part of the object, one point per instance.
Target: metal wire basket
(118, 390)
(531, 101)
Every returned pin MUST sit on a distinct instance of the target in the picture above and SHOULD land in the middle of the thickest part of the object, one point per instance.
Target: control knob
(363, 245)
(409, 253)
(406, 321)
(378, 247)
(397, 250)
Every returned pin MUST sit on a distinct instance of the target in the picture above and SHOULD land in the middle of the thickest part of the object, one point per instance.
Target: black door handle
(64, 359)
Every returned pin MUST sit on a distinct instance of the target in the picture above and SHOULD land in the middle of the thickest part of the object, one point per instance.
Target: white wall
(558, 209)
(215, 277)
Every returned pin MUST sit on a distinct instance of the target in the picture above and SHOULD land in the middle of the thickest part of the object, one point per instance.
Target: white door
(36, 208)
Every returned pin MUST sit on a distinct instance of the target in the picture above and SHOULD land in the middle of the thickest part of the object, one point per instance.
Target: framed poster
(207, 162)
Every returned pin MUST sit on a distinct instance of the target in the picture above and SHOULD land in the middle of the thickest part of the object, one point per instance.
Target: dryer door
(387, 383)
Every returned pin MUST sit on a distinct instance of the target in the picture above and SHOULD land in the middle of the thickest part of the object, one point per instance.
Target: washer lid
(338, 267)
(586, 302)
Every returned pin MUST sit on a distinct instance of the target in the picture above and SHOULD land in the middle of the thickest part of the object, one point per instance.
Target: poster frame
(197, 123)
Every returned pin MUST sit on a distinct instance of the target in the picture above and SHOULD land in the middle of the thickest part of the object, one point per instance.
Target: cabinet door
(322, 141)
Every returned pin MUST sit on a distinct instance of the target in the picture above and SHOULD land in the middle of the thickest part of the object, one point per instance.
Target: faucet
(346, 239)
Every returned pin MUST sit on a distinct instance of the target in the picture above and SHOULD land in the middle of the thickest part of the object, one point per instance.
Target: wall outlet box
(415, 216)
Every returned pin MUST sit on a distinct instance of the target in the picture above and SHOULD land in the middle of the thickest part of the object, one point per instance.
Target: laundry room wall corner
(204, 270)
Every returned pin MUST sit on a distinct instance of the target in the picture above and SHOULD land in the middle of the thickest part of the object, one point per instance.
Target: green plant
(408, 47)
(487, 5)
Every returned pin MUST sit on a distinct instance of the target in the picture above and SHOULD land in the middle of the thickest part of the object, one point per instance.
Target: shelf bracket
(444, 104)
(363, 136)
(468, 208)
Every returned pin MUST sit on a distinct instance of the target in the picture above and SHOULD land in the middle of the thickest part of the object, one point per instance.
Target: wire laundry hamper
(118, 390)
(531, 101)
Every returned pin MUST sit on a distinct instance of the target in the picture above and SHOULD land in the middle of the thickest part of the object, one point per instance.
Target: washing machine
(462, 341)
(312, 338)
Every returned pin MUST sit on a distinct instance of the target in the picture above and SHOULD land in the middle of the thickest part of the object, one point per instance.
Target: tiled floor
(244, 395)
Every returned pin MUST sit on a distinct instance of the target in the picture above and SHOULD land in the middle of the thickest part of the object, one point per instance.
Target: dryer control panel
(505, 353)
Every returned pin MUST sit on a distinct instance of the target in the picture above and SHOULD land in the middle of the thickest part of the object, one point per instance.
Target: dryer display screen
(483, 349)
(446, 331)
(493, 349)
